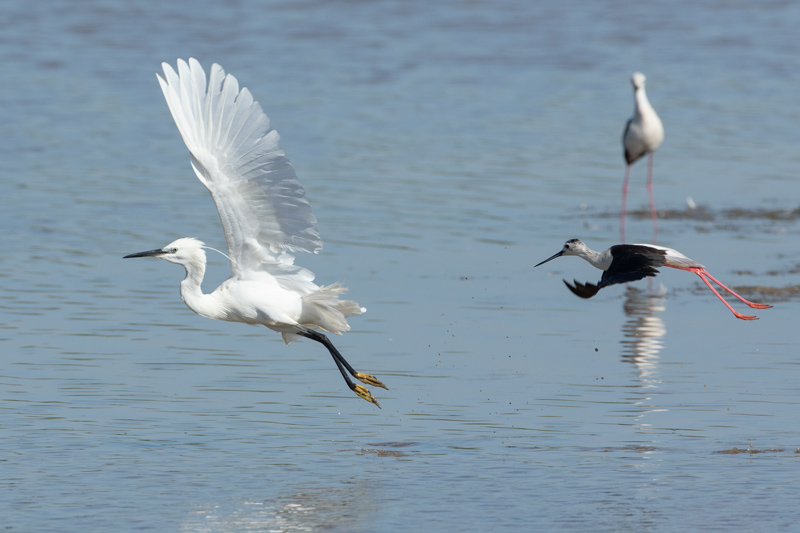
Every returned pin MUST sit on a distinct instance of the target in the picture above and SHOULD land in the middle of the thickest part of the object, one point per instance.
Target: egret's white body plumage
(264, 212)
(259, 297)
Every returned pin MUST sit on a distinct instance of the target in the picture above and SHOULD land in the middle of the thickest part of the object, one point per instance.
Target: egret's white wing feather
(236, 155)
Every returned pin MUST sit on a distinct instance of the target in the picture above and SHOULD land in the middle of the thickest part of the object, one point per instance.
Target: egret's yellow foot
(364, 393)
(370, 380)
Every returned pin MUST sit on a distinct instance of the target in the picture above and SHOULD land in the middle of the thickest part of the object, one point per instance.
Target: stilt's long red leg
(700, 272)
(653, 213)
(748, 302)
(705, 276)
(624, 199)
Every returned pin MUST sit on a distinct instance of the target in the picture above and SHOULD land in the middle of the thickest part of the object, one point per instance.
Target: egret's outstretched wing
(235, 153)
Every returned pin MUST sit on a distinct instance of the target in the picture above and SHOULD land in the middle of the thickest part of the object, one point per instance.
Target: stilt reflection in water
(643, 332)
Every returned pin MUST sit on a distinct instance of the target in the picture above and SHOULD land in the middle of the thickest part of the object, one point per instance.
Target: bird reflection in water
(643, 331)
(642, 339)
(314, 510)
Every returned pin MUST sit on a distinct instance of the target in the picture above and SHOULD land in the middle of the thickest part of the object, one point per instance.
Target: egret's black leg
(342, 364)
(339, 358)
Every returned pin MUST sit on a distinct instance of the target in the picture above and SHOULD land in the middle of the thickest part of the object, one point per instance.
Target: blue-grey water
(446, 148)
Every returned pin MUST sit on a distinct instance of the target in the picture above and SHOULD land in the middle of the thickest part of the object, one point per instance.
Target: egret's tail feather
(350, 308)
(322, 309)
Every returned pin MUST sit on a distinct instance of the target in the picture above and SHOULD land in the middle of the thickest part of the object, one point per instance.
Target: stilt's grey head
(571, 247)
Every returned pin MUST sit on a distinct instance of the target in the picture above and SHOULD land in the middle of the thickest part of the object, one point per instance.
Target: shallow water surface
(445, 149)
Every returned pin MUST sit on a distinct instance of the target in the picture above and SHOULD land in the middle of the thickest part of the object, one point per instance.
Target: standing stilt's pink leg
(653, 213)
(748, 302)
(624, 199)
(700, 273)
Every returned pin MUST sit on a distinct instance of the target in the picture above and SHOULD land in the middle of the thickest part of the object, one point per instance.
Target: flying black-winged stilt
(643, 134)
(630, 262)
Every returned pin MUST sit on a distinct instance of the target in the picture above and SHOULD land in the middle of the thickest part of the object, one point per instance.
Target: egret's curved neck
(191, 290)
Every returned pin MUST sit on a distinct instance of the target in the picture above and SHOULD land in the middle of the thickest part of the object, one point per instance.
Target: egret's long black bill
(559, 254)
(148, 253)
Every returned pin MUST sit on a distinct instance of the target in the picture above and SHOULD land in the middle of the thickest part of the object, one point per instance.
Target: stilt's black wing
(584, 290)
(629, 159)
(612, 278)
(632, 262)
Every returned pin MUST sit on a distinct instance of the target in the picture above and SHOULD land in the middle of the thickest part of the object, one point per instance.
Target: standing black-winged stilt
(630, 262)
(643, 134)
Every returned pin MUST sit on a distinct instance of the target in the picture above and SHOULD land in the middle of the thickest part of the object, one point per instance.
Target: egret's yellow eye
(173, 251)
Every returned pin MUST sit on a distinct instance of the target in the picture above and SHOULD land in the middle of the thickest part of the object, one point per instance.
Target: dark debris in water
(707, 219)
(393, 444)
(783, 215)
(750, 451)
(380, 451)
(794, 270)
(700, 213)
(706, 214)
(638, 448)
(773, 294)
(760, 293)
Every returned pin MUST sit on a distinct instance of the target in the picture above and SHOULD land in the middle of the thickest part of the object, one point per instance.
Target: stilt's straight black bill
(149, 253)
(559, 254)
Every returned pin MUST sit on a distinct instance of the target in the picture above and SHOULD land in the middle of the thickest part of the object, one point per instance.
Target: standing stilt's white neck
(642, 107)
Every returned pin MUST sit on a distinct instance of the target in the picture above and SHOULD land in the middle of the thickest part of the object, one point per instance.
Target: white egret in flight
(264, 213)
